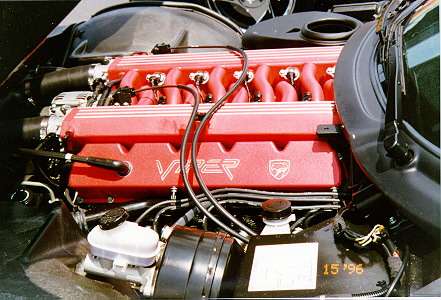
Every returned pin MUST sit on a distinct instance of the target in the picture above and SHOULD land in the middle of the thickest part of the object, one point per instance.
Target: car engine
(144, 129)
(196, 169)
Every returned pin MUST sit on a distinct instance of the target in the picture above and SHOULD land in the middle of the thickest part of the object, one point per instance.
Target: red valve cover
(265, 138)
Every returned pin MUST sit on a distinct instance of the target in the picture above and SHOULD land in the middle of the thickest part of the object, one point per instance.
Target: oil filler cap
(276, 209)
(113, 218)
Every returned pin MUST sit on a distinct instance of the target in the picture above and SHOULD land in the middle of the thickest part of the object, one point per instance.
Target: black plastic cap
(161, 48)
(276, 209)
(113, 218)
(123, 95)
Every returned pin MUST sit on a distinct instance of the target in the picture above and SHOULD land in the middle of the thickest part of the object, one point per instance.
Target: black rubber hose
(182, 160)
(296, 223)
(201, 126)
(251, 203)
(162, 211)
(372, 294)
(153, 207)
(20, 132)
(386, 291)
(184, 174)
(400, 272)
(70, 79)
(307, 221)
(189, 215)
(301, 220)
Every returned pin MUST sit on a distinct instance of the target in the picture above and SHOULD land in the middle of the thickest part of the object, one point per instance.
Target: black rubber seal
(330, 29)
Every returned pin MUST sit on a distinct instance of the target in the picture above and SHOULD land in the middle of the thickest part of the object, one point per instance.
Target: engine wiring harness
(378, 236)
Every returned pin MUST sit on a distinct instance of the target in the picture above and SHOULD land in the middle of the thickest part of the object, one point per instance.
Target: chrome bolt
(250, 75)
(290, 73)
(330, 71)
(156, 79)
(200, 77)
(173, 193)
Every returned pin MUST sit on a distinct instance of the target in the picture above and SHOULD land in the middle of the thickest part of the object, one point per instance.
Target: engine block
(264, 137)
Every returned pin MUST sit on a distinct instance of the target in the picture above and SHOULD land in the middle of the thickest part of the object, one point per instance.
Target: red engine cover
(270, 144)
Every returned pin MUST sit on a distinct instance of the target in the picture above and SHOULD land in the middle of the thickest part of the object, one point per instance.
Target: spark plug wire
(214, 108)
(182, 160)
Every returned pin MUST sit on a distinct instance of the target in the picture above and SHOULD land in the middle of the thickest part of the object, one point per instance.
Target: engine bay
(194, 171)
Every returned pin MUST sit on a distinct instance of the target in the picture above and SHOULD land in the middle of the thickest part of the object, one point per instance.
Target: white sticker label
(284, 267)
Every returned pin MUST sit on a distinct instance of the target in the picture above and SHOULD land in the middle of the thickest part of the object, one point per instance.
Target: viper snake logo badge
(279, 168)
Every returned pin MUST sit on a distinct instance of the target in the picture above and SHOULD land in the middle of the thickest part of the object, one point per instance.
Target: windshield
(421, 47)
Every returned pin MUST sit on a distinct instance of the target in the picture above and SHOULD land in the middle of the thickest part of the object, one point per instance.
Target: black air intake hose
(65, 80)
(20, 132)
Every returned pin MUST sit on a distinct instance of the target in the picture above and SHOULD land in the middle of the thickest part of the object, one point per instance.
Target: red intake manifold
(264, 138)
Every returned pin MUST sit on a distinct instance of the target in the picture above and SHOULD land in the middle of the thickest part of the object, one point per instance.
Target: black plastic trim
(414, 189)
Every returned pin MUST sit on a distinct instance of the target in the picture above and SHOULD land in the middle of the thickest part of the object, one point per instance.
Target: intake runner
(264, 138)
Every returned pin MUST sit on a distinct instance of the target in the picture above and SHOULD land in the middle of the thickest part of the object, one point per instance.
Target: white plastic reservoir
(128, 243)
